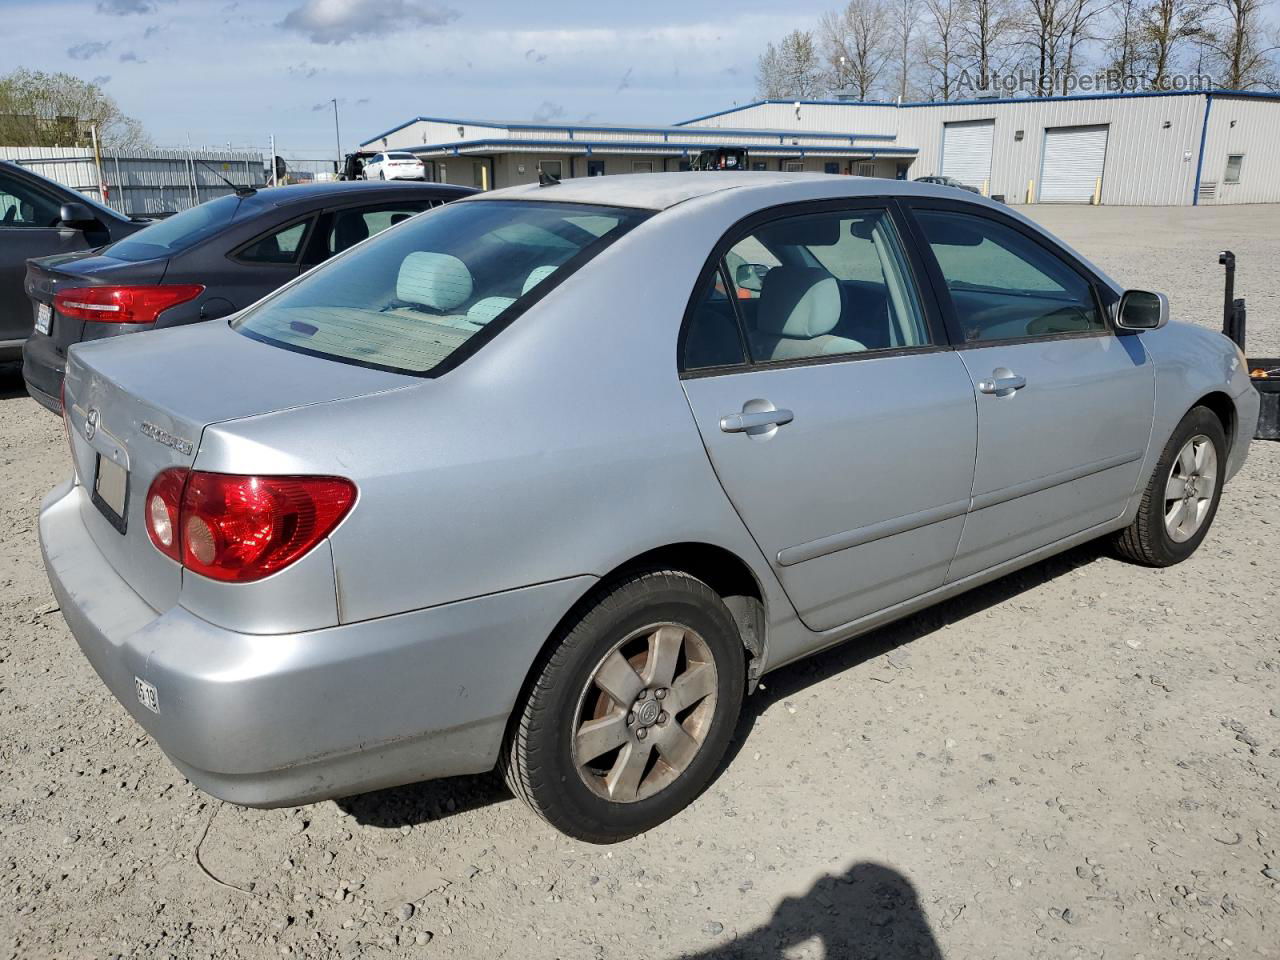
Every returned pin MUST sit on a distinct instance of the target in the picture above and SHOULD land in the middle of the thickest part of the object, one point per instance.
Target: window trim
(309, 218)
(942, 292)
(938, 333)
(1239, 169)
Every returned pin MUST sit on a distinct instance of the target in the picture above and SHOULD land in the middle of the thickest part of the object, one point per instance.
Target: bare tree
(1075, 32)
(1239, 49)
(854, 41)
(1042, 29)
(790, 69)
(939, 46)
(986, 38)
(1123, 41)
(57, 109)
(1164, 25)
(904, 17)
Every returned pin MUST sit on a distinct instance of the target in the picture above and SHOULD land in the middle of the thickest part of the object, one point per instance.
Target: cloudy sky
(240, 70)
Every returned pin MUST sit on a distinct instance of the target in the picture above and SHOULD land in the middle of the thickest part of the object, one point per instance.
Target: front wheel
(1182, 496)
(628, 718)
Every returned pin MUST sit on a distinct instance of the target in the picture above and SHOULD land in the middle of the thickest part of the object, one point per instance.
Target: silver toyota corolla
(549, 477)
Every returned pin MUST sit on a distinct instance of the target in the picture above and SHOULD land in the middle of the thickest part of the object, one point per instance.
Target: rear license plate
(111, 490)
(148, 696)
(44, 318)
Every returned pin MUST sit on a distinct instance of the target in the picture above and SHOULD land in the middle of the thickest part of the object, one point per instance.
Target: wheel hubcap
(645, 712)
(1188, 493)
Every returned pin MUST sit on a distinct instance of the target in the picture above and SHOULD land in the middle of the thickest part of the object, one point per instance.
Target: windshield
(408, 298)
(181, 231)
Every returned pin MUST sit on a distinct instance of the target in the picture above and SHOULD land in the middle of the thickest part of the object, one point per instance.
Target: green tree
(57, 109)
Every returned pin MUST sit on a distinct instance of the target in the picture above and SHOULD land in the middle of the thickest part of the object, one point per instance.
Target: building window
(866, 169)
(642, 166)
(1234, 162)
(755, 165)
(793, 166)
(831, 167)
(551, 168)
(595, 168)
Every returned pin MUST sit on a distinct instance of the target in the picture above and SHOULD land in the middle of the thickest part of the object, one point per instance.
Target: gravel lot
(1079, 760)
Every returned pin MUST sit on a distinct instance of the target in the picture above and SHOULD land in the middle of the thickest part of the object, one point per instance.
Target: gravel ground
(1079, 760)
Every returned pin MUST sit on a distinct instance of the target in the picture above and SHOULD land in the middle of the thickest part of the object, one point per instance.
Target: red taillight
(135, 304)
(238, 528)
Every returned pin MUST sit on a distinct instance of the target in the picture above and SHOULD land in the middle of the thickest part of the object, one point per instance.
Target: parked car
(39, 217)
(948, 182)
(469, 494)
(206, 262)
(394, 166)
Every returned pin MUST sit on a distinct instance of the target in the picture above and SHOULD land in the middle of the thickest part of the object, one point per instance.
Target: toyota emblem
(91, 423)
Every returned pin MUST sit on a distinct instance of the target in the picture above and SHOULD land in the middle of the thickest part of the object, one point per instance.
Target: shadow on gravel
(868, 911)
(422, 802)
(11, 385)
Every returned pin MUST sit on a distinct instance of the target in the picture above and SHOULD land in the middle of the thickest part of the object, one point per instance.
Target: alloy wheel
(1188, 493)
(645, 712)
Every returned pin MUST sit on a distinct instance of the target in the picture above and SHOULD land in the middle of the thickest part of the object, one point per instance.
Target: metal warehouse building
(1160, 149)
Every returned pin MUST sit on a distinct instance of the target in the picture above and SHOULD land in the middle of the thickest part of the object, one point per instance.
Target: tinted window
(410, 297)
(21, 206)
(280, 246)
(346, 228)
(1004, 285)
(825, 284)
(712, 339)
(181, 231)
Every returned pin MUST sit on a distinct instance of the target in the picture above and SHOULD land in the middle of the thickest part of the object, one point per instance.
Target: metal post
(97, 162)
(1228, 261)
(124, 207)
(336, 132)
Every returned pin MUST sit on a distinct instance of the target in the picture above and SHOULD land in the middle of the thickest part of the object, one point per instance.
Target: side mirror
(750, 276)
(1142, 310)
(78, 216)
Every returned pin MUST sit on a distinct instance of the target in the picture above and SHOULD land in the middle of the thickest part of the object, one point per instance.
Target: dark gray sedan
(204, 263)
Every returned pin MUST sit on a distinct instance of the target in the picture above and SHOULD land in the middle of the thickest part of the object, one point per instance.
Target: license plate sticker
(44, 318)
(148, 696)
(110, 488)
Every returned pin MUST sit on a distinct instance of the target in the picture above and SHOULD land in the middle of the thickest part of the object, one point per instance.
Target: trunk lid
(47, 275)
(141, 403)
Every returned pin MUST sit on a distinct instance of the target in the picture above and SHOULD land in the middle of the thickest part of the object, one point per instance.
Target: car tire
(654, 639)
(1182, 497)
(381, 175)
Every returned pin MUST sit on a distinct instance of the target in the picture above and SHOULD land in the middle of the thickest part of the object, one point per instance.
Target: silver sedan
(548, 478)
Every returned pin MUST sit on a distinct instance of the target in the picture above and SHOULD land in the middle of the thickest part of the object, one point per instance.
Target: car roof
(350, 189)
(658, 191)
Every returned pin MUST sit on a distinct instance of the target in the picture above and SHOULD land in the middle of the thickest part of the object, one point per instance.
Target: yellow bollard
(1031, 191)
(1097, 191)
(985, 184)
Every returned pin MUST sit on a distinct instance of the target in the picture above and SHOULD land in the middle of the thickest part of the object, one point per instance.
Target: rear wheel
(1182, 496)
(628, 718)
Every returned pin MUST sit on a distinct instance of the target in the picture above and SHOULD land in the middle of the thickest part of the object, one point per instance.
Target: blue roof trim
(1254, 94)
(571, 129)
(567, 146)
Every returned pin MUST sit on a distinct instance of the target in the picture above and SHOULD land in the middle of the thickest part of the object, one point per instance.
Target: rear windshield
(164, 238)
(402, 156)
(408, 298)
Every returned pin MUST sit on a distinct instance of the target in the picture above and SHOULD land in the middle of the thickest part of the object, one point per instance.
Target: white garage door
(1072, 164)
(966, 151)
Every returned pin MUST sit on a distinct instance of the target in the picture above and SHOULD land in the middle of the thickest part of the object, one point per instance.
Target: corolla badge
(183, 446)
(91, 421)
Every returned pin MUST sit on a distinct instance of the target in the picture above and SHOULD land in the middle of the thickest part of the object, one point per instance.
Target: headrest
(482, 311)
(349, 230)
(798, 302)
(434, 280)
(536, 276)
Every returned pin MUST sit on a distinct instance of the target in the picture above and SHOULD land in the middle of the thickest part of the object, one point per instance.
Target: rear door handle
(1003, 385)
(742, 422)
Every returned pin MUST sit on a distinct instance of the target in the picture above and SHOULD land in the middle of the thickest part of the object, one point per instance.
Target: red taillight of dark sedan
(242, 528)
(123, 304)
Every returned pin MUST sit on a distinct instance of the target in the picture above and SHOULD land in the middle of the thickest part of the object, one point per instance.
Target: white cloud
(88, 50)
(122, 8)
(336, 21)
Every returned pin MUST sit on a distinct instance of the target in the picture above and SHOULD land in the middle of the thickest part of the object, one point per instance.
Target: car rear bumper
(285, 719)
(42, 369)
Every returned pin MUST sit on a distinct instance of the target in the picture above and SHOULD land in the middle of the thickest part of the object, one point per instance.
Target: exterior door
(1064, 405)
(840, 426)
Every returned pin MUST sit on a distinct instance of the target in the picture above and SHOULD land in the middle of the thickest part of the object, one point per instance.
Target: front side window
(20, 206)
(1004, 285)
(1234, 162)
(824, 284)
(410, 297)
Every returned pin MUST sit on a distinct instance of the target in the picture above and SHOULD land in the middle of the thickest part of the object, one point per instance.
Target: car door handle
(1002, 385)
(742, 422)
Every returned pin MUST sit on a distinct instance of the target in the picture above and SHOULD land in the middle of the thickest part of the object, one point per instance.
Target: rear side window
(345, 228)
(410, 297)
(1004, 285)
(279, 246)
(164, 238)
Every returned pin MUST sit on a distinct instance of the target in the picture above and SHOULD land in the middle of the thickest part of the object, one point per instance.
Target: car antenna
(240, 191)
(547, 180)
